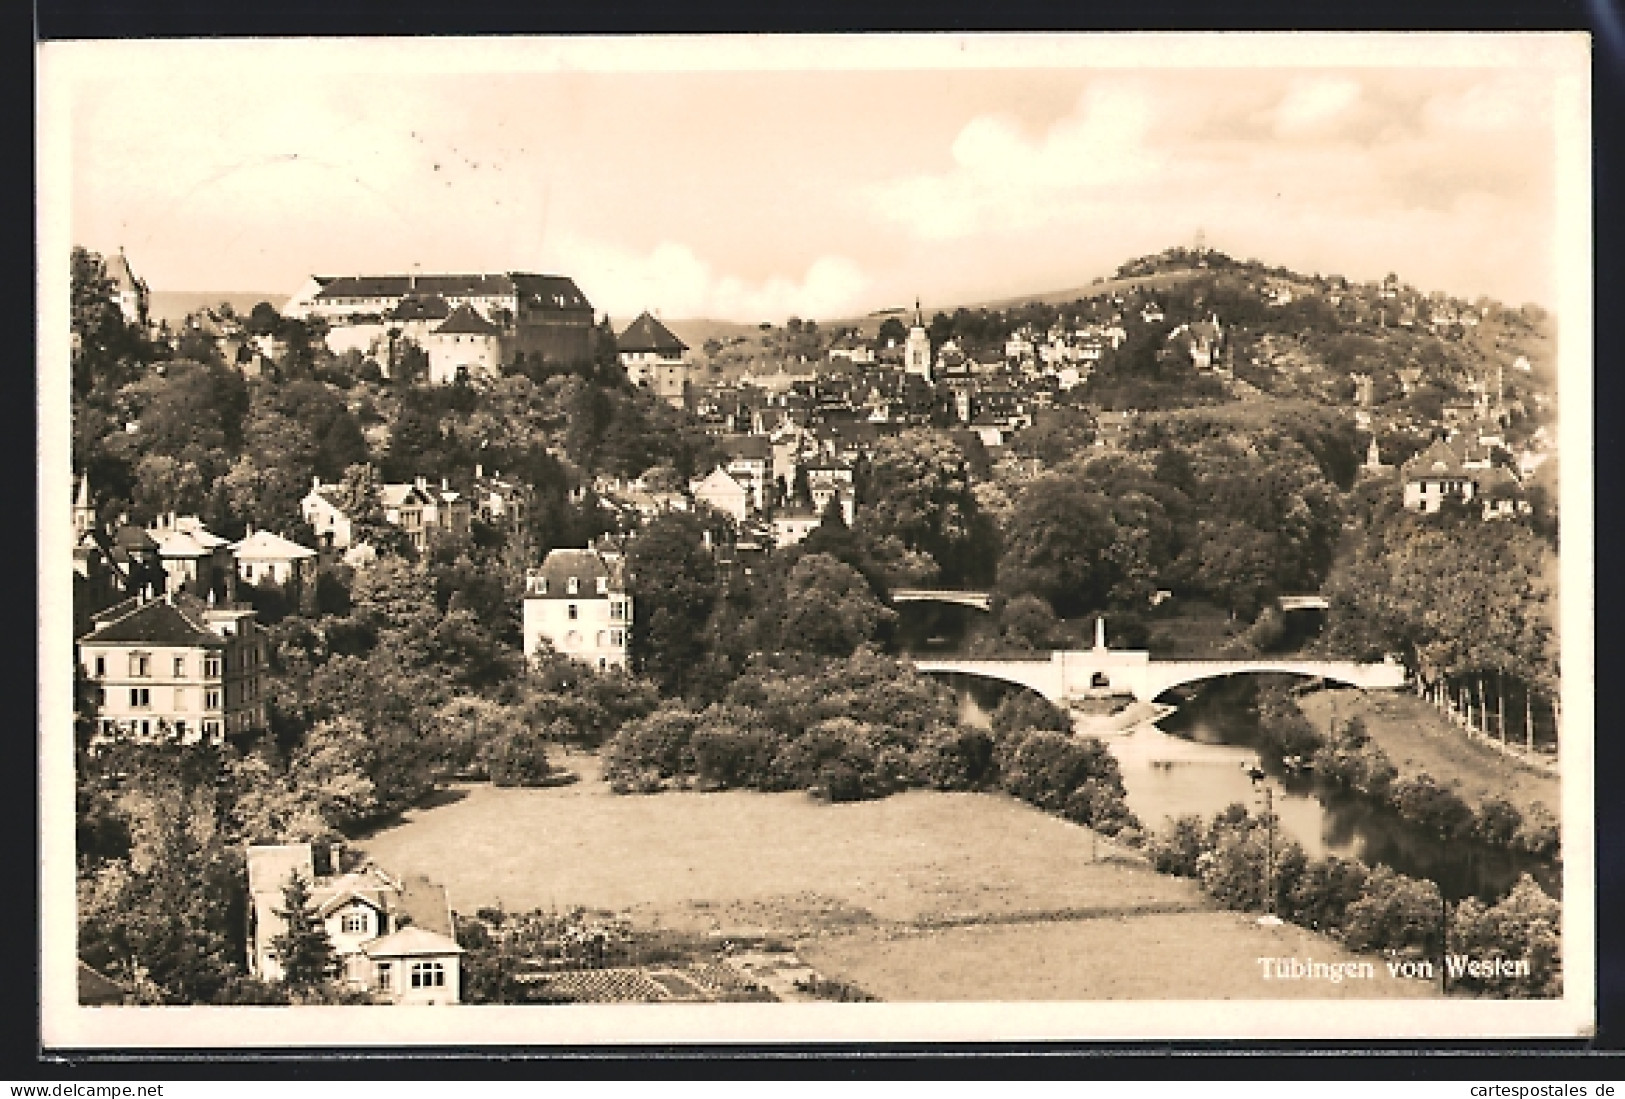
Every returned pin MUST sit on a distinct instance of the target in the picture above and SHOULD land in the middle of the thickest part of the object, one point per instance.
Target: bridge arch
(977, 600)
(1360, 677)
(1039, 676)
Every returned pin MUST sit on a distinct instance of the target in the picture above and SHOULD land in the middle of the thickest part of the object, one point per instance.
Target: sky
(785, 184)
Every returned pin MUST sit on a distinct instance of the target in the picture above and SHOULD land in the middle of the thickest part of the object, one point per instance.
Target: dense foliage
(1370, 909)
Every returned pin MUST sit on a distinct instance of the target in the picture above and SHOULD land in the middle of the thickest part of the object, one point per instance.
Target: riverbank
(1418, 739)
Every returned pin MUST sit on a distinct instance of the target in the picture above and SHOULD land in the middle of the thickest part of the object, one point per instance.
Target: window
(571, 612)
(211, 666)
(101, 666)
(572, 586)
(211, 699)
(386, 976)
(354, 923)
(180, 698)
(603, 585)
(211, 728)
(180, 730)
(180, 667)
(140, 698)
(601, 637)
(617, 638)
(617, 610)
(428, 974)
(140, 665)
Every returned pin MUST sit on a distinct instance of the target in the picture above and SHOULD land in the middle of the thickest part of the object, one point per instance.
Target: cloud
(1312, 105)
(1002, 179)
(673, 280)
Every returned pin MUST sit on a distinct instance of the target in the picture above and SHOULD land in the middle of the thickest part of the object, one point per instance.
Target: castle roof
(648, 334)
(465, 319)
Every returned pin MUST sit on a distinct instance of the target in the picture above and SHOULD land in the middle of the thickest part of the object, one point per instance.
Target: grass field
(1188, 955)
(1417, 738)
(918, 896)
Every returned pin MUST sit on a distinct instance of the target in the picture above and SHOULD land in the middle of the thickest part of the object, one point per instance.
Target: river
(1195, 759)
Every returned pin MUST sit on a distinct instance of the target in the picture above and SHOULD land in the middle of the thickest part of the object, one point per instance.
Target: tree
(674, 587)
(828, 608)
(303, 948)
(1394, 912)
(264, 320)
(1027, 622)
(1063, 546)
(918, 490)
(108, 352)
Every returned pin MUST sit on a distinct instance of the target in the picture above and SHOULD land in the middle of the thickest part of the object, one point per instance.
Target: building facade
(578, 603)
(174, 670)
(656, 359)
(391, 937)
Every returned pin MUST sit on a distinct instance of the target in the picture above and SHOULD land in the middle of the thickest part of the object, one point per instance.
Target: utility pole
(1269, 850)
(1444, 945)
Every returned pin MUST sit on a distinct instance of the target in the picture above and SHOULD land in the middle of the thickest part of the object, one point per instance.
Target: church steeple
(917, 351)
(84, 514)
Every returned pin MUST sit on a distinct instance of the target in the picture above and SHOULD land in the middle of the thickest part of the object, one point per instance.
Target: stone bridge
(981, 600)
(1101, 673)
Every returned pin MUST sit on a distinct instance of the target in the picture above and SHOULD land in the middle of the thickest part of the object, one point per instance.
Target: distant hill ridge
(174, 305)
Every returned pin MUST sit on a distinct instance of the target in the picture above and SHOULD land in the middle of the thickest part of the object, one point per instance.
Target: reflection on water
(1196, 763)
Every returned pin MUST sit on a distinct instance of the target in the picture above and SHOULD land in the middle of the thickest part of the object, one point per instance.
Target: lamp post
(1269, 918)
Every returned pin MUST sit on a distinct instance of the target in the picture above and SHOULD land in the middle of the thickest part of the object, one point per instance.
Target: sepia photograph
(935, 537)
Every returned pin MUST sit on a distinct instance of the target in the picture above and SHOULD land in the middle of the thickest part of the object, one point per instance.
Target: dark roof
(542, 291)
(131, 537)
(422, 307)
(465, 319)
(586, 565)
(424, 903)
(1438, 460)
(1497, 483)
(648, 334)
(400, 286)
(157, 622)
(550, 291)
(748, 446)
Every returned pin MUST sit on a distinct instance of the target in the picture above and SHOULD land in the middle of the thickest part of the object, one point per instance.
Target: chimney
(445, 485)
(422, 483)
(250, 533)
(315, 483)
(479, 471)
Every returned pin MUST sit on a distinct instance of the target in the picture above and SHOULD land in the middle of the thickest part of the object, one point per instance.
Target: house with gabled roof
(655, 358)
(719, 489)
(194, 558)
(174, 669)
(263, 557)
(465, 345)
(393, 937)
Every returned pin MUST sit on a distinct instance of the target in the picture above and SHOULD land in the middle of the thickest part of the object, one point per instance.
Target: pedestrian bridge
(981, 600)
(1100, 673)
